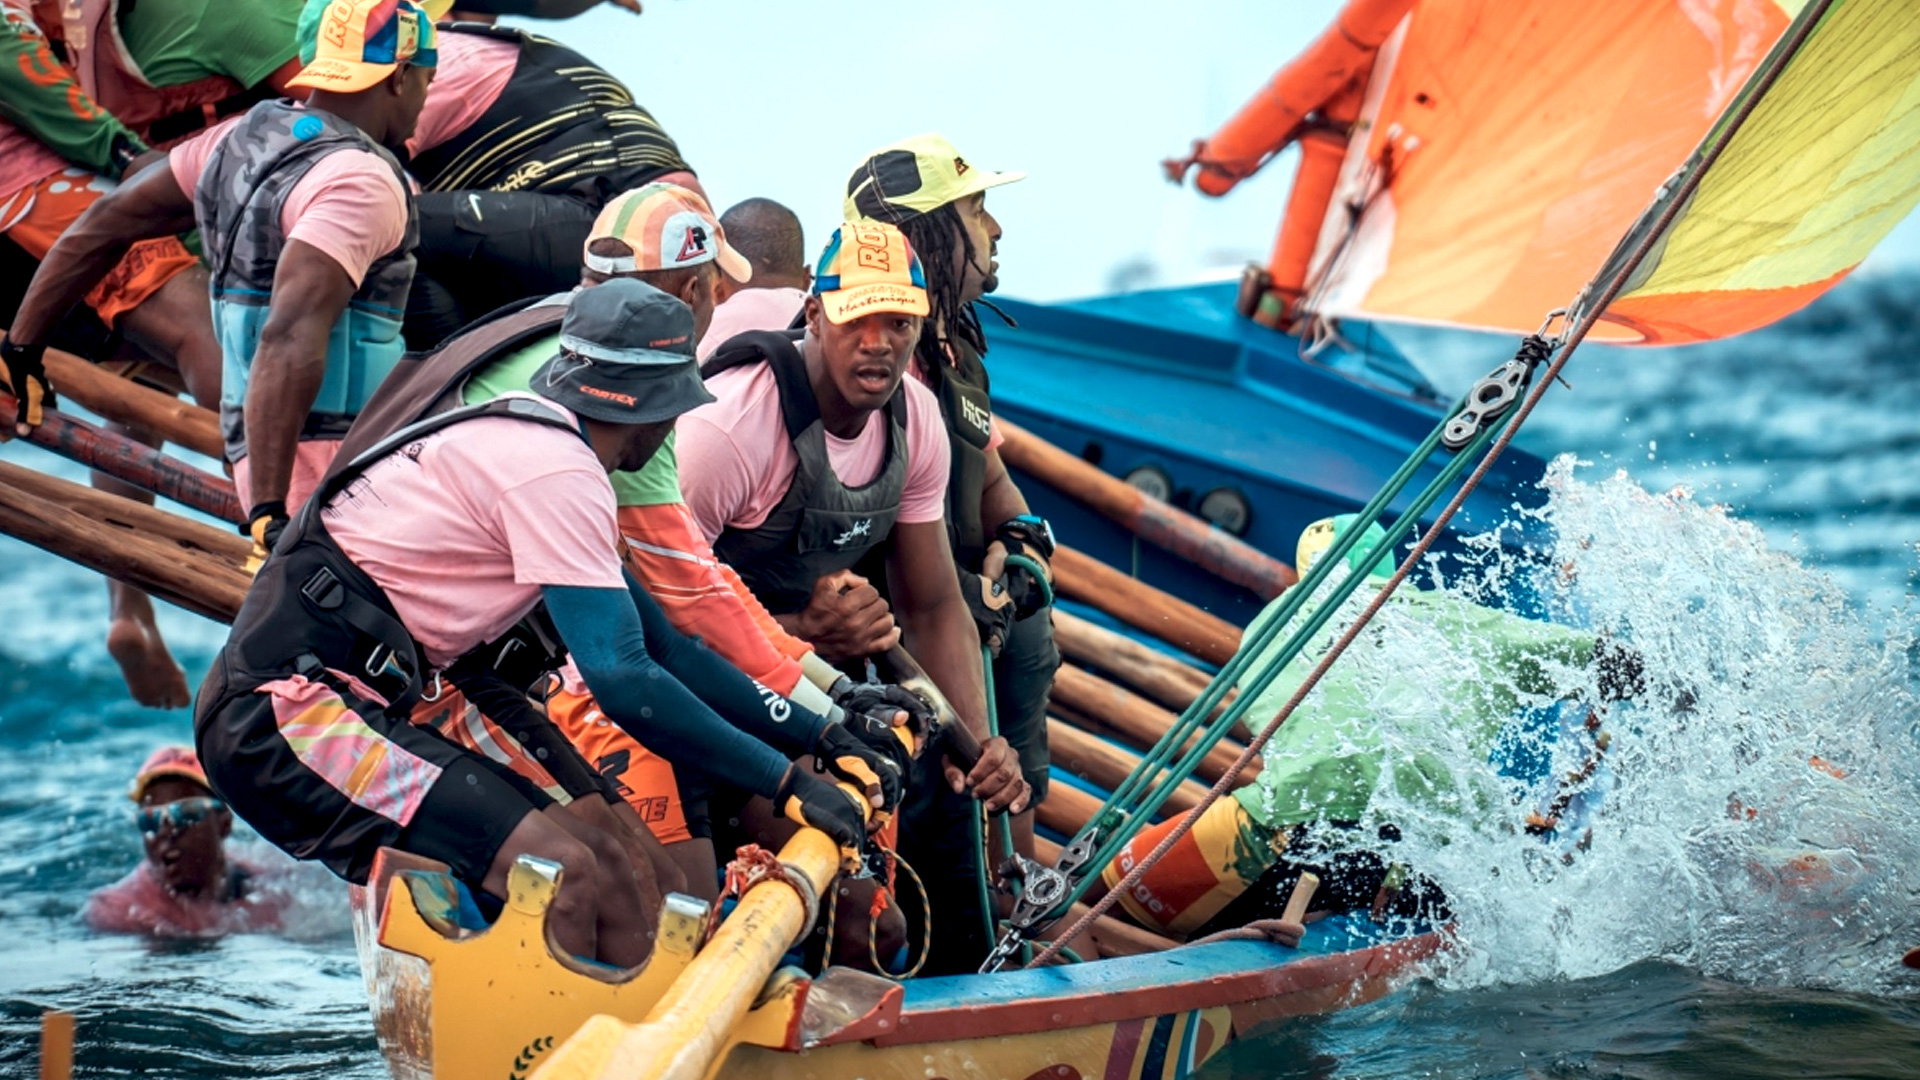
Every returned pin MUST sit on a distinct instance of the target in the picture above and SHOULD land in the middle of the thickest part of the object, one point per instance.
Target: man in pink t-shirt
(820, 459)
(420, 564)
(769, 236)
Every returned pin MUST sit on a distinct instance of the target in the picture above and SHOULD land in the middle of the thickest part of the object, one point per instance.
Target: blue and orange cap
(350, 45)
(868, 267)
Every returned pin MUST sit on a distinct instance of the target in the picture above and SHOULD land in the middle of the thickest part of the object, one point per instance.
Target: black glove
(265, 523)
(866, 697)
(876, 732)
(849, 755)
(991, 608)
(1028, 578)
(27, 374)
(811, 801)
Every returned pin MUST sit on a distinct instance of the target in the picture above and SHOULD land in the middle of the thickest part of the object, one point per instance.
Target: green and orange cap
(350, 45)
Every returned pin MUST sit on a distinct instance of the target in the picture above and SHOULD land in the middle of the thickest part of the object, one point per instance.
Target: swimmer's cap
(168, 761)
(1316, 538)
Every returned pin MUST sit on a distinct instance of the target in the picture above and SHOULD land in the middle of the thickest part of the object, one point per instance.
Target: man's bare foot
(153, 677)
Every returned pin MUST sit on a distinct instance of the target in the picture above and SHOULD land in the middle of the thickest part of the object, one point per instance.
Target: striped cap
(350, 45)
(869, 267)
(665, 227)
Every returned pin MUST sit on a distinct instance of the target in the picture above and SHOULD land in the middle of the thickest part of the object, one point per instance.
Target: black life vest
(821, 525)
(560, 125)
(967, 410)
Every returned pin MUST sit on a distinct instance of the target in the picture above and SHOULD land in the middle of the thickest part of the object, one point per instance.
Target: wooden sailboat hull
(494, 1003)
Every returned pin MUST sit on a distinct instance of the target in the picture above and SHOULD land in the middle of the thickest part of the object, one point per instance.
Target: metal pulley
(1490, 398)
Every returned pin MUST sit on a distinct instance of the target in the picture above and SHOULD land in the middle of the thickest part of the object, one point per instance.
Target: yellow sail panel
(1826, 165)
(1513, 143)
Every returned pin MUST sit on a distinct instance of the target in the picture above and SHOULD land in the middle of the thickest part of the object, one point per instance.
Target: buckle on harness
(323, 587)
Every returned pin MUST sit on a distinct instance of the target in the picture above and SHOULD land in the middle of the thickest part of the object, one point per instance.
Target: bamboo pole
(1218, 552)
(122, 458)
(183, 562)
(1143, 607)
(688, 1029)
(123, 400)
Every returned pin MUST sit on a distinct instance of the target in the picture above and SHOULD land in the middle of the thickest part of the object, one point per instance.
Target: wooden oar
(142, 466)
(126, 401)
(1101, 762)
(1080, 577)
(1219, 552)
(56, 1045)
(1109, 710)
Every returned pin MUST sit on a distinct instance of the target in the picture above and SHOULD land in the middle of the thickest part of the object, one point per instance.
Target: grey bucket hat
(626, 356)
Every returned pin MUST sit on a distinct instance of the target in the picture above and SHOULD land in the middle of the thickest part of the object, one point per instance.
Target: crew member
(816, 459)
(522, 143)
(769, 237)
(665, 236)
(412, 566)
(309, 229)
(59, 152)
(1370, 717)
(187, 884)
(923, 186)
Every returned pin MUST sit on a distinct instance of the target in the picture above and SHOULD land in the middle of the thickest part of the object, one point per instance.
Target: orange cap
(869, 267)
(178, 761)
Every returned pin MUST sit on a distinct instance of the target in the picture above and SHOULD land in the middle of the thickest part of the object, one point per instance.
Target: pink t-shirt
(472, 72)
(463, 527)
(751, 309)
(350, 205)
(736, 461)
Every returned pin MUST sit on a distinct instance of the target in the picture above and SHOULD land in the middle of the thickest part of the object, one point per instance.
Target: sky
(781, 99)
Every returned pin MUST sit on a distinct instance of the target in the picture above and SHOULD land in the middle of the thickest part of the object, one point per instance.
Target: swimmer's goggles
(177, 815)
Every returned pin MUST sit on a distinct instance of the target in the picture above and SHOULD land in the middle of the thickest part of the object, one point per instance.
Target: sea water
(1743, 513)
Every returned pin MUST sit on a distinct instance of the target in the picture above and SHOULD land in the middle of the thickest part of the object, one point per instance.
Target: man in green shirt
(1374, 714)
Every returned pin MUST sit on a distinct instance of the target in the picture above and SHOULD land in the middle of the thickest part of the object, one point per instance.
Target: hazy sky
(782, 99)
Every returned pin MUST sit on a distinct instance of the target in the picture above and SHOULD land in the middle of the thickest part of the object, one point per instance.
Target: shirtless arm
(940, 634)
(149, 205)
(310, 290)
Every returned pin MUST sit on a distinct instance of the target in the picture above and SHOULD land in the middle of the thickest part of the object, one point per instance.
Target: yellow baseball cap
(900, 182)
(667, 227)
(350, 45)
(868, 267)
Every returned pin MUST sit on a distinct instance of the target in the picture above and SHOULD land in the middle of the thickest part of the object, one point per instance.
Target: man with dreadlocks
(924, 187)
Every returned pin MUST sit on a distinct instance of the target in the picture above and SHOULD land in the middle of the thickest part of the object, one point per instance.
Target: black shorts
(327, 776)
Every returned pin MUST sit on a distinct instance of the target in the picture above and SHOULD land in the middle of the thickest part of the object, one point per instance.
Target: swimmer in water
(187, 884)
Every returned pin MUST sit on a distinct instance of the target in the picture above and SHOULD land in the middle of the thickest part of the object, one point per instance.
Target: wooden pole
(1095, 759)
(136, 463)
(127, 402)
(1143, 607)
(56, 1045)
(1214, 550)
(1147, 670)
(689, 1028)
(183, 562)
(1103, 707)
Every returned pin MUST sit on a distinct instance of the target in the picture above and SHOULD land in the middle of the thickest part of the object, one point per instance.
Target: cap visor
(140, 785)
(341, 76)
(984, 180)
(846, 305)
(647, 399)
(734, 264)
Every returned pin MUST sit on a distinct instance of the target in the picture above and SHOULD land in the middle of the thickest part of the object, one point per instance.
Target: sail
(1825, 165)
(1505, 146)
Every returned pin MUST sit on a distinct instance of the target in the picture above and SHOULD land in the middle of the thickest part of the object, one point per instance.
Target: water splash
(1755, 813)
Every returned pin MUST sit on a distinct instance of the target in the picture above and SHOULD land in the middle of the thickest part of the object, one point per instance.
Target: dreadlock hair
(942, 243)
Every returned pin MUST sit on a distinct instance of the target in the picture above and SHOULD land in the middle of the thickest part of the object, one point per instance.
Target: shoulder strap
(519, 408)
(781, 352)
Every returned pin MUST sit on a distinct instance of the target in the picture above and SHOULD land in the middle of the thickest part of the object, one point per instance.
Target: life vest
(237, 204)
(112, 77)
(561, 124)
(820, 525)
(967, 410)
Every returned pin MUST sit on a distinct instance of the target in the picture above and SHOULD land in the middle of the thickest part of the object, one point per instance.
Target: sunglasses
(178, 815)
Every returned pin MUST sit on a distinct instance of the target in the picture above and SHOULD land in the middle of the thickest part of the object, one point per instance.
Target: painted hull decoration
(455, 1003)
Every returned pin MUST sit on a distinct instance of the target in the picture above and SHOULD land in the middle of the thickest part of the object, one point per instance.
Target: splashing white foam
(1720, 842)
